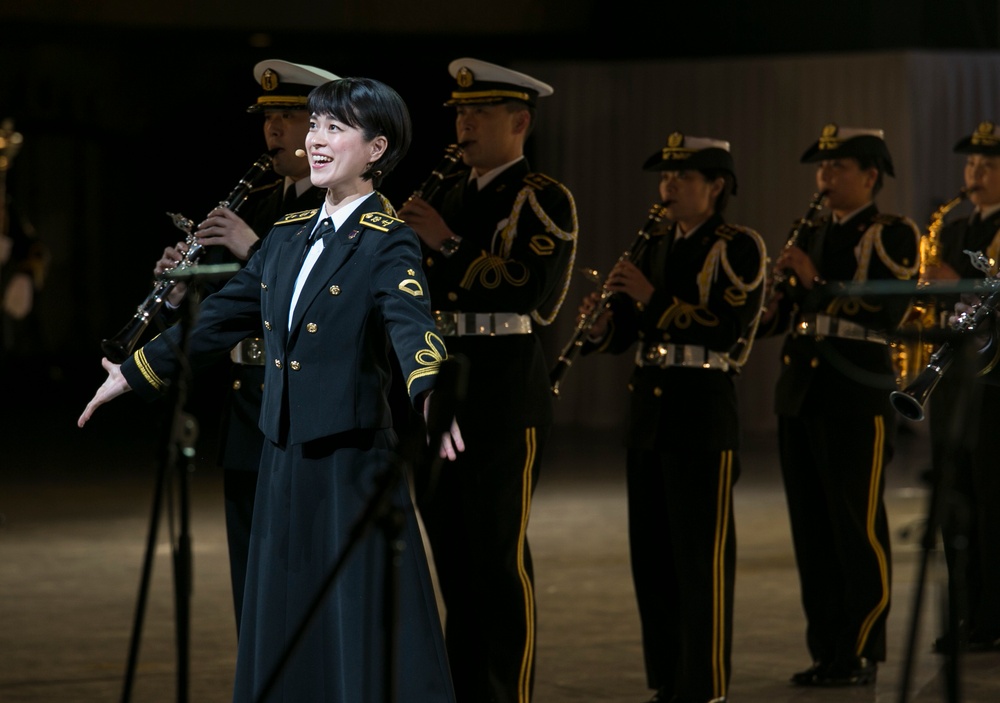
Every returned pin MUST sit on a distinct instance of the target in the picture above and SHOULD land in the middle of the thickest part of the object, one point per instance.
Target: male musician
(284, 89)
(499, 241)
(690, 300)
(963, 414)
(832, 399)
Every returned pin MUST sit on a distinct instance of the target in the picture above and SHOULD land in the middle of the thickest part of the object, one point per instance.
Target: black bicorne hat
(985, 140)
(684, 153)
(850, 142)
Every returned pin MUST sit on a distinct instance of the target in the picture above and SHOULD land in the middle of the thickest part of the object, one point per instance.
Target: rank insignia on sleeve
(542, 245)
(412, 286)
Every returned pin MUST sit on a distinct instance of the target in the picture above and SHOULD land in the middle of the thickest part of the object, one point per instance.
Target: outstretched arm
(113, 386)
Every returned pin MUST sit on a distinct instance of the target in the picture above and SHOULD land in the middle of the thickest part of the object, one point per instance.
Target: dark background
(130, 110)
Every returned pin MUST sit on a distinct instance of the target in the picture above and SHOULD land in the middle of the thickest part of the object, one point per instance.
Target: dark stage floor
(76, 507)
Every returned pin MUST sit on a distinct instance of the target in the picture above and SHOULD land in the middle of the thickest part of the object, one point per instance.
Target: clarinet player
(835, 423)
(685, 305)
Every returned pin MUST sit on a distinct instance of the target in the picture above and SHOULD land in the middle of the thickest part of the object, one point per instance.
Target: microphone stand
(449, 391)
(176, 463)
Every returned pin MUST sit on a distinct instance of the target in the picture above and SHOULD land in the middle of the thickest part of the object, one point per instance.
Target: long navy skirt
(309, 497)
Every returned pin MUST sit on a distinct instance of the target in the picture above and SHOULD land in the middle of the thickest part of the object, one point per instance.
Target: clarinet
(584, 325)
(779, 276)
(452, 159)
(119, 347)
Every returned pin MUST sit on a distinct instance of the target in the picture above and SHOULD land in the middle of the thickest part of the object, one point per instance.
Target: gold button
(334, 290)
(453, 296)
(267, 325)
(814, 362)
(787, 360)
(263, 285)
(262, 388)
(631, 387)
(657, 391)
(295, 365)
(312, 327)
(277, 362)
(236, 384)
(639, 306)
(429, 261)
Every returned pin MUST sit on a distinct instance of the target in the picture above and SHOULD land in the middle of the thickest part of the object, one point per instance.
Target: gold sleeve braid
(509, 233)
(146, 370)
(428, 359)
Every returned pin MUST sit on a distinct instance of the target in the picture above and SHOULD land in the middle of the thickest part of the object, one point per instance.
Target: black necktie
(324, 231)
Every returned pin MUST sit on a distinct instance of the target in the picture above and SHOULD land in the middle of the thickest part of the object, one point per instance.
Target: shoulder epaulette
(296, 217)
(266, 186)
(728, 231)
(885, 218)
(380, 221)
(539, 181)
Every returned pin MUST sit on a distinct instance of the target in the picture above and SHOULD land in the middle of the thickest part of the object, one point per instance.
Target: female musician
(331, 288)
(835, 424)
(689, 301)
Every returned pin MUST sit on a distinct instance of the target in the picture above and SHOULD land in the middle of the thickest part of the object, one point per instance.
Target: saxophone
(910, 351)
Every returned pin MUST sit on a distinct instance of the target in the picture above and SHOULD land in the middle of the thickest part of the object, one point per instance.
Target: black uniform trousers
(682, 542)
(476, 516)
(834, 484)
(963, 421)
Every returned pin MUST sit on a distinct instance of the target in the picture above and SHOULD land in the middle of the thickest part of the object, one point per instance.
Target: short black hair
(722, 199)
(372, 107)
(867, 162)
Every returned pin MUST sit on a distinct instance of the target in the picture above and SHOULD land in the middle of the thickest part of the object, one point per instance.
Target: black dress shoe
(981, 643)
(855, 672)
(810, 676)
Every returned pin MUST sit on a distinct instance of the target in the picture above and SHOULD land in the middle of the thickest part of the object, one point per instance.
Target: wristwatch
(450, 245)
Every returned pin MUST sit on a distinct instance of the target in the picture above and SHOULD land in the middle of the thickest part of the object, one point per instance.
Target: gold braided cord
(898, 270)
(993, 253)
(553, 229)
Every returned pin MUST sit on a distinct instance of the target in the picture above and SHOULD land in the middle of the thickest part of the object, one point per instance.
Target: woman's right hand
(114, 386)
(600, 326)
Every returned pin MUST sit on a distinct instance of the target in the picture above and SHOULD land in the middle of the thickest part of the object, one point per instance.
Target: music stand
(176, 462)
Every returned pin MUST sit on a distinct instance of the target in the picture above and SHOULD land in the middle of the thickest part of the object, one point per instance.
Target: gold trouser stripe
(524, 681)
(722, 507)
(873, 505)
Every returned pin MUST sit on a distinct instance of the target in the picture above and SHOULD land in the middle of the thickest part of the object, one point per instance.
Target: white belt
(491, 324)
(249, 352)
(664, 355)
(827, 326)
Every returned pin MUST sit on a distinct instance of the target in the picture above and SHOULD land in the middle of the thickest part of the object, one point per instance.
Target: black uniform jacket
(327, 370)
(518, 245)
(708, 291)
(828, 374)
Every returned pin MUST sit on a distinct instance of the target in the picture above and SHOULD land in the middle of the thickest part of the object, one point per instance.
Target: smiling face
(285, 130)
(338, 154)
